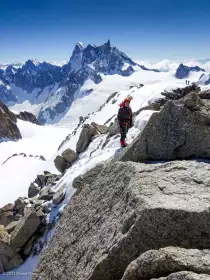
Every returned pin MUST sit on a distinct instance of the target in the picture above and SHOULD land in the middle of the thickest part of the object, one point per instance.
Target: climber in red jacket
(125, 120)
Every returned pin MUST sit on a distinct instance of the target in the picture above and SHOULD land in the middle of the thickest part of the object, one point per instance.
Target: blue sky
(150, 29)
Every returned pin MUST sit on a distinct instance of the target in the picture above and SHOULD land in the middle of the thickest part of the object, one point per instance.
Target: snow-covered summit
(54, 88)
(80, 45)
(104, 59)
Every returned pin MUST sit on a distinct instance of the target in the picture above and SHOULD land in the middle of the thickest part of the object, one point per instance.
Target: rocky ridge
(8, 127)
(24, 222)
(142, 220)
(8, 123)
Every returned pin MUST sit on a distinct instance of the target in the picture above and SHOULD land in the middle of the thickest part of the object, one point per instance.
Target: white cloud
(167, 65)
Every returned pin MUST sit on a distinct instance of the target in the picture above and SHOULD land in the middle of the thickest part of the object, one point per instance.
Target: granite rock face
(181, 130)
(87, 133)
(24, 230)
(8, 257)
(8, 126)
(128, 209)
(171, 261)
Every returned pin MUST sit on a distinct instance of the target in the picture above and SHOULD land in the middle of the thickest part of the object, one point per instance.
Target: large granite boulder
(33, 190)
(181, 130)
(64, 161)
(155, 263)
(129, 208)
(60, 163)
(20, 204)
(113, 129)
(69, 155)
(8, 127)
(8, 257)
(185, 275)
(41, 180)
(87, 133)
(24, 230)
(46, 193)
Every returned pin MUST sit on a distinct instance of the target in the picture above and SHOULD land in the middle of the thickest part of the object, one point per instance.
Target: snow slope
(18, 172)
(154, 84)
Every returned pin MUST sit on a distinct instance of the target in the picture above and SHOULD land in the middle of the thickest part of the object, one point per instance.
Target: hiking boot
(123, 143)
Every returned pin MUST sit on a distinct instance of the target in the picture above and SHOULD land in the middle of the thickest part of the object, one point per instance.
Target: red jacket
(125, 116)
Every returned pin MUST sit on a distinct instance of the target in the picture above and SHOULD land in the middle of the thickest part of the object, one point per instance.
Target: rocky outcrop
(126, 210)
(42, 180)
(68, 137)
(8, 257)
(179, 93)
(204, 94)
(29, 117)
(25, 221)
(113, 129)
(33, 190)
(24, 230)
(69, 155)
(64, 161)
(61, 164)
(46, 194)
(169, 260)
(185, 275)
(181, 130)
(20, 204)
(87, 133)
(6, 214)
(8, 127)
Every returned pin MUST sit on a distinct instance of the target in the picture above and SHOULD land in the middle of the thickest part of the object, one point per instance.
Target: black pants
(123, 131)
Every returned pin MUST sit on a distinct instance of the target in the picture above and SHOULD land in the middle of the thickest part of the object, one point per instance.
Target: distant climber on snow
(125, 119)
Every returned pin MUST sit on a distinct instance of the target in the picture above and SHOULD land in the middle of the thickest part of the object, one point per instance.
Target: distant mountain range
(14, 64)
(55, 87)
(183, 71)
